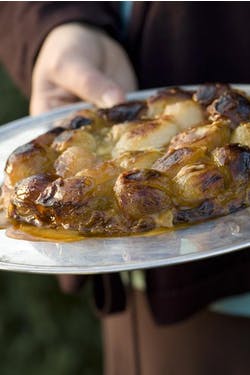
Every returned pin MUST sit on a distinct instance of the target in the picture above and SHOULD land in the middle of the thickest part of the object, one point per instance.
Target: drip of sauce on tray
(28, 232)
(32, 233)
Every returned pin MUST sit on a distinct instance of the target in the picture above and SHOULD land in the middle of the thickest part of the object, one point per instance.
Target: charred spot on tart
(174, 160)
(120, 113)
(28, 160)
(231, 105)
(73, 190)
(236, 158)
(204, 211)
(30, 188)
(23, 206)
(197, 182)
(79, 121)
(208, 92)
(142, 192)
(158, 102)
(171, 93)
(209, 135)
(46, 139)
(141, 175)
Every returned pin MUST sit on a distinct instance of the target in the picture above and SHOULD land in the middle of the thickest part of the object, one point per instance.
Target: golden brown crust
(177, 157)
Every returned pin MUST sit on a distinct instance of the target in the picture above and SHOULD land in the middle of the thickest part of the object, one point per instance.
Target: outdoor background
(43, 331)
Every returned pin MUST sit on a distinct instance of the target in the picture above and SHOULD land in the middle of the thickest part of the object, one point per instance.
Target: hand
(78, 62)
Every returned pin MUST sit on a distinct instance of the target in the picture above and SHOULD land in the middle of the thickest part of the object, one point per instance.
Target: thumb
(86, 82)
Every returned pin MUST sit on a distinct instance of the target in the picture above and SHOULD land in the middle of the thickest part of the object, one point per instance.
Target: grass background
(43, 331)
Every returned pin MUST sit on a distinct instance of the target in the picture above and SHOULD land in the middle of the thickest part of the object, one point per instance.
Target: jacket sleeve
(24, 26)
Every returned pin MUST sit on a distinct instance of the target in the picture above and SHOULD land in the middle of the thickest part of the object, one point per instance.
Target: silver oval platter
(98, 255)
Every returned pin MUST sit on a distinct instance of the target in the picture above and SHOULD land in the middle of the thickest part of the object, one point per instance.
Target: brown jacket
(168, 43)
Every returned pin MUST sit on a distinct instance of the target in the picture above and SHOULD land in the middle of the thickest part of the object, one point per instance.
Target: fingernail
(112, 97)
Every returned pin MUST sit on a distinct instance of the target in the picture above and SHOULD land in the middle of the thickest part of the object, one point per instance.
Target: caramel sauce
(153, 232)
(32, 233)
(20, 231)
(26, 232)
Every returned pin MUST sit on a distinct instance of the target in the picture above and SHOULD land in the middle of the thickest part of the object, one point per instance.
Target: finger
(70, 283)
(39, 105)
(85, 81)
(46, 98)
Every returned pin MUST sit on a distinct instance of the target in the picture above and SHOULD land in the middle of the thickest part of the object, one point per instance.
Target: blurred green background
(43, 331)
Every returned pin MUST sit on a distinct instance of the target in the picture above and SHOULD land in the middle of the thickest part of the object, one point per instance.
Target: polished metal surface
(98, 255)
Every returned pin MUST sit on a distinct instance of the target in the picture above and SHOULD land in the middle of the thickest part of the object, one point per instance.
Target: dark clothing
(24, 26)
(185, 43)
(168, 43)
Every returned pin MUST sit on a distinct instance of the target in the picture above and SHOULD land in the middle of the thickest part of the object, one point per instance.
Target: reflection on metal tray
(96, 255)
